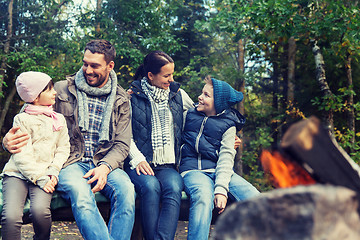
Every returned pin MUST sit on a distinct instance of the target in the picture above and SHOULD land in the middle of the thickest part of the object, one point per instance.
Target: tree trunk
(291, 70)
(275, 102)
(6, 46)
(98, 9)
(6, 106)
(350, 112)
(321, 78)
(240, 107)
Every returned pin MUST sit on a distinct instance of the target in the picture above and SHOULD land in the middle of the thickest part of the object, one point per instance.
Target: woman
(157, 105)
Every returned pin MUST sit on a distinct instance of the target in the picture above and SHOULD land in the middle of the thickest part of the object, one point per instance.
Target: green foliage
(203, 37)
(344, 139)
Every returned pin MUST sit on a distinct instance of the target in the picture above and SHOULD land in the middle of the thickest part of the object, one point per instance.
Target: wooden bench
(61, 211)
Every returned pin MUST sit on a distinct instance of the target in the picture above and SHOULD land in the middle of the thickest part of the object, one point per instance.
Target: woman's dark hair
(153, 62)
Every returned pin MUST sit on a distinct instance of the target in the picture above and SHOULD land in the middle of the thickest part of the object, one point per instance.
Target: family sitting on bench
(118, 143)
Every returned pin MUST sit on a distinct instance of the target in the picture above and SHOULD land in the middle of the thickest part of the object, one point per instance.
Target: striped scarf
(160, 121)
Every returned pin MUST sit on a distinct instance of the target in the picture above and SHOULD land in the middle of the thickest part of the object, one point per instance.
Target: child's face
(164, 77)
(46, 98)
(206, 101)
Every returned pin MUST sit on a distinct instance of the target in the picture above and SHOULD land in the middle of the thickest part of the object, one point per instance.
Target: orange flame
(284, 173)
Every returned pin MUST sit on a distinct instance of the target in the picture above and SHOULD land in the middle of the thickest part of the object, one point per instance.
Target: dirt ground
(68, 231)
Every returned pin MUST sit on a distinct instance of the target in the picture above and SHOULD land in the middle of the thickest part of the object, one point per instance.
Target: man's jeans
(200, 187)
(118, 189)
(160, 197)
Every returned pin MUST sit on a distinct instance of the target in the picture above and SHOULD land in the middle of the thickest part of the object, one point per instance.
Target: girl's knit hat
(224, 95)
(30, 84)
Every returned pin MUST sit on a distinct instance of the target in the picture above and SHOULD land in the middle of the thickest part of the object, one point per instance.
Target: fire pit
(319, 198)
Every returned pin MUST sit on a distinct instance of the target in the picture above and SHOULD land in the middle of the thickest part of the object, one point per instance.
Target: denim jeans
(160, 197)
(118, 189)
(200, 188)
(15, 191)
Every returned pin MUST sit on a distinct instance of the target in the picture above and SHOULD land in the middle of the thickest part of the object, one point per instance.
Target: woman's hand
(144, 168)
(220, 202)
(14, 140)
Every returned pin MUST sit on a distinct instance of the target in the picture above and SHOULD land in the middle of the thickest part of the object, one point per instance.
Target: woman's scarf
(46, 110)
(160, 121)
(83, 89)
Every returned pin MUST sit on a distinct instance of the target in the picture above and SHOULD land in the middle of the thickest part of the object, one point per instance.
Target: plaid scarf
(160, 122)
(83, 89)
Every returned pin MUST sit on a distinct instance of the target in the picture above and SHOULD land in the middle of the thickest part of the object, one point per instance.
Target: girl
(34, 171)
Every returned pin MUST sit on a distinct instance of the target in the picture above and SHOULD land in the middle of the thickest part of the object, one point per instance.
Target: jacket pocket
(65, 105)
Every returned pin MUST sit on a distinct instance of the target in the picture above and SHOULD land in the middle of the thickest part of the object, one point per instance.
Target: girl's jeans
(160, 197)
(200, 188)
(15, 191)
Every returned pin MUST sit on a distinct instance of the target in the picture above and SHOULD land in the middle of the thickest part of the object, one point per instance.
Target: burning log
(303, 212)
(319, 198)
(310, 144)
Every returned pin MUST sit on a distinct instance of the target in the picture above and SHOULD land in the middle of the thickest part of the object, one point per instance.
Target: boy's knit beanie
(224, 95)
(30, 84)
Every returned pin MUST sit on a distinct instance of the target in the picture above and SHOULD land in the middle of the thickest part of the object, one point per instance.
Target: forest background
(291, 58)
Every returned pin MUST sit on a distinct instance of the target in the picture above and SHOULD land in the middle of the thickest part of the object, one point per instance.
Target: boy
(207, 155)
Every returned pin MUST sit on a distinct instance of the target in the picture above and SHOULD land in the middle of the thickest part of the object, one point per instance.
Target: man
(97, 112)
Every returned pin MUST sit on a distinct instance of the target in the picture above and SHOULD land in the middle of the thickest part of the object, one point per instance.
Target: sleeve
(187, 101)
(62, 151)
(23, 159)
(135, 155)
(118, 152)
(224, 167)
(187, 104)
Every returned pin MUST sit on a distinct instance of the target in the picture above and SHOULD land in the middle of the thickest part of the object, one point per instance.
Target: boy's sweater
(45, 152)
(208, 145)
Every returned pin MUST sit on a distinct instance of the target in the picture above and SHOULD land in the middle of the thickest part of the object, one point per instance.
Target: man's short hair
(103, 47)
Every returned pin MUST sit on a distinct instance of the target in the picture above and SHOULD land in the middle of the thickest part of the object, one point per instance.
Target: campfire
(317, 195)
(284, 172)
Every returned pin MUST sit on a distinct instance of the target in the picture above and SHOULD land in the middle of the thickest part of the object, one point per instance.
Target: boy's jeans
(118, 189)
(200, 187)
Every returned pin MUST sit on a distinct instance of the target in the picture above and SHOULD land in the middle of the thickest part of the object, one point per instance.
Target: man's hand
(98, 174)
(237, 142)
(14, 140)
(144, 168)
(220, 202)
(50, 185)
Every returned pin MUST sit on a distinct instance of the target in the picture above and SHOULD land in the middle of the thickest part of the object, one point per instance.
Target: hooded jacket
(114, 151)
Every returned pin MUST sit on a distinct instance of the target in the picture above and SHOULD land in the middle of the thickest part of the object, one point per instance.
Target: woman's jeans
(200, 188)
(160, 197)
(118, 189)
(15, 191)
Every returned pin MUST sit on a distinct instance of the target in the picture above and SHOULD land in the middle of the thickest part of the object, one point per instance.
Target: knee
(150, 187)
(40, 212)
(175, 186)
(202, 196)
(11, 217)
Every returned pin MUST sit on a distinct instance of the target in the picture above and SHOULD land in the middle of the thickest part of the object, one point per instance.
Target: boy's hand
(50, 185)
(237, 142)
(14, 140)
(145, 168)
(220, 202)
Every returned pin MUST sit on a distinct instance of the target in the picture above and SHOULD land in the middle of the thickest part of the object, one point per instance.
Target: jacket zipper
(198, 140)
